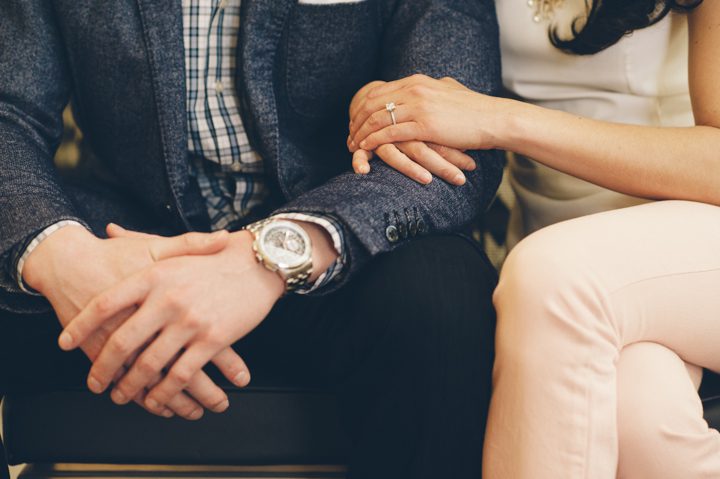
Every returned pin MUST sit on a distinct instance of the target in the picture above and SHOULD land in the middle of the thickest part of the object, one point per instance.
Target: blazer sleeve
(34, 89)
(383, 210)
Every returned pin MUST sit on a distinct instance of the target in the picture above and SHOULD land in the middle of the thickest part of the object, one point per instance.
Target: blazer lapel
(262, 26)
(163, 34)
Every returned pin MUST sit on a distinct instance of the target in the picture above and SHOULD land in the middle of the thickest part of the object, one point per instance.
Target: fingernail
(363, 145)
(66, 340)
(152, 404)
(363, 169)
(118, 397)
(167, 413)
(241, 379)
(425, 177)
(471, 167)
(222, 407)
(352, 144)
(94, 385)
(195, 415)
(459, 179)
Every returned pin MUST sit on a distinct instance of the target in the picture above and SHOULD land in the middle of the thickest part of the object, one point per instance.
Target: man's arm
(34, 89)
(382, 210)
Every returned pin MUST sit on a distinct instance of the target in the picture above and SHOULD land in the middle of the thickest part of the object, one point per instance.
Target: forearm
(649, 162)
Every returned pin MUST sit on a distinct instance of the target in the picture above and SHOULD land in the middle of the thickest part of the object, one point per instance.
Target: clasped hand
(436, 122)
(186, 311)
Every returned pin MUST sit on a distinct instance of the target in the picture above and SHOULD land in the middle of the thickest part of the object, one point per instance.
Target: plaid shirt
(229, 172)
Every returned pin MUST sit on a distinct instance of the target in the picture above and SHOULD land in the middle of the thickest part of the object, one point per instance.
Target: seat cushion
(264, 425)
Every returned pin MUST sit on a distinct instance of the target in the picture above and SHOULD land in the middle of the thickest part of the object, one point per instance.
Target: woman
(604, 321)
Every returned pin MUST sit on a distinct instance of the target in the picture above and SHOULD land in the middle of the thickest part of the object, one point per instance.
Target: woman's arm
(651, 162)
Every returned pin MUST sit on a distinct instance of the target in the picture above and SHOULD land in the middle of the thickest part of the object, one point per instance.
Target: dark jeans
(407, 345)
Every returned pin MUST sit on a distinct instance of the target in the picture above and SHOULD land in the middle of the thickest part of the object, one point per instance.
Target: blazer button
(392, 234)
(403, 230)
(413, 228)
(422, 226)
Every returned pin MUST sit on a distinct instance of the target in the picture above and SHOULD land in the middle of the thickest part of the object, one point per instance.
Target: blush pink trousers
(604, 323)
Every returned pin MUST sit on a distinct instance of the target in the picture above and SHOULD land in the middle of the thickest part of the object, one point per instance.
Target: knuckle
(193, 321)
(103, 304)
(373, 121)
(174, 300)
(384, 149)
(120, 345)
(180, 375)
(153, 275)
(148, 365)
(447, 172)
(214, 340)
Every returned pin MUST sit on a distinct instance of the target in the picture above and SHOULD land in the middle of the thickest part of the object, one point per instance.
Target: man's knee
(431, 292)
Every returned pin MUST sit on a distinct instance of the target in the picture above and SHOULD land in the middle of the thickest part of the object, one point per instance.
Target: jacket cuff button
(422, 226)
(392, 234)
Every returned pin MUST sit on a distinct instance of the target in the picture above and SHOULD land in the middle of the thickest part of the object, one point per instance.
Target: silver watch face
(285, 244)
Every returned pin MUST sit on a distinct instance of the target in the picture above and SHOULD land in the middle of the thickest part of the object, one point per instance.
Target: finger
(232, 366)
(140, 401)
(207, 393)
(189, 244)
(381, 119)
(180, 375)
(183, 405)
(429, 159)
(456, 157)
(379, 105)
(151, 362)
(394, 86)
(116, 231)
(361, 95)
(408, 131)
(399, 92)
(102, 308)
(361, 161)
(129, 338)
(399, 161)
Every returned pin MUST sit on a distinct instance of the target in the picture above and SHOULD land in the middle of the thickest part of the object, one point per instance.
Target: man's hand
(72, 266)
(191, 308)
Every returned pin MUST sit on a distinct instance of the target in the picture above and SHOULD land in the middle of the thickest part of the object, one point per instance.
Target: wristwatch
(285, 248)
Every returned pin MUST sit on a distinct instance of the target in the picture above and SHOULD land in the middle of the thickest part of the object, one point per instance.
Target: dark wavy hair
(608, 21)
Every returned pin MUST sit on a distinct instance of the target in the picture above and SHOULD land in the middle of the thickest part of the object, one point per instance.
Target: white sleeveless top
(641, 80)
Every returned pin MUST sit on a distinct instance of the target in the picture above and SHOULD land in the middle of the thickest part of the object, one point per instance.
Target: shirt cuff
(334, 229)
(44, 234)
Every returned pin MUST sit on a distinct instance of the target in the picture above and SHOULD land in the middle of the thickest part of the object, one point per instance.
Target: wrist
(241, 244)
(67, 242)
(509, 127)
(323, 250)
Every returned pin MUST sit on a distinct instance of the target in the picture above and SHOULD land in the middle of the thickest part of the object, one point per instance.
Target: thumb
(361, 161)
(188, 244)
(117, 231)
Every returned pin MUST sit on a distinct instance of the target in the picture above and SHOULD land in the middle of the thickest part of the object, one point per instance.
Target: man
(219, 114)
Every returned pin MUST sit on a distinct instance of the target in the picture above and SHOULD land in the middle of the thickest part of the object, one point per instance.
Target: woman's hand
(415, 159)
(442, 111)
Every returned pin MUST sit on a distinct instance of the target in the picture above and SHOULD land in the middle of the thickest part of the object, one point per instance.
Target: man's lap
(428, 278)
